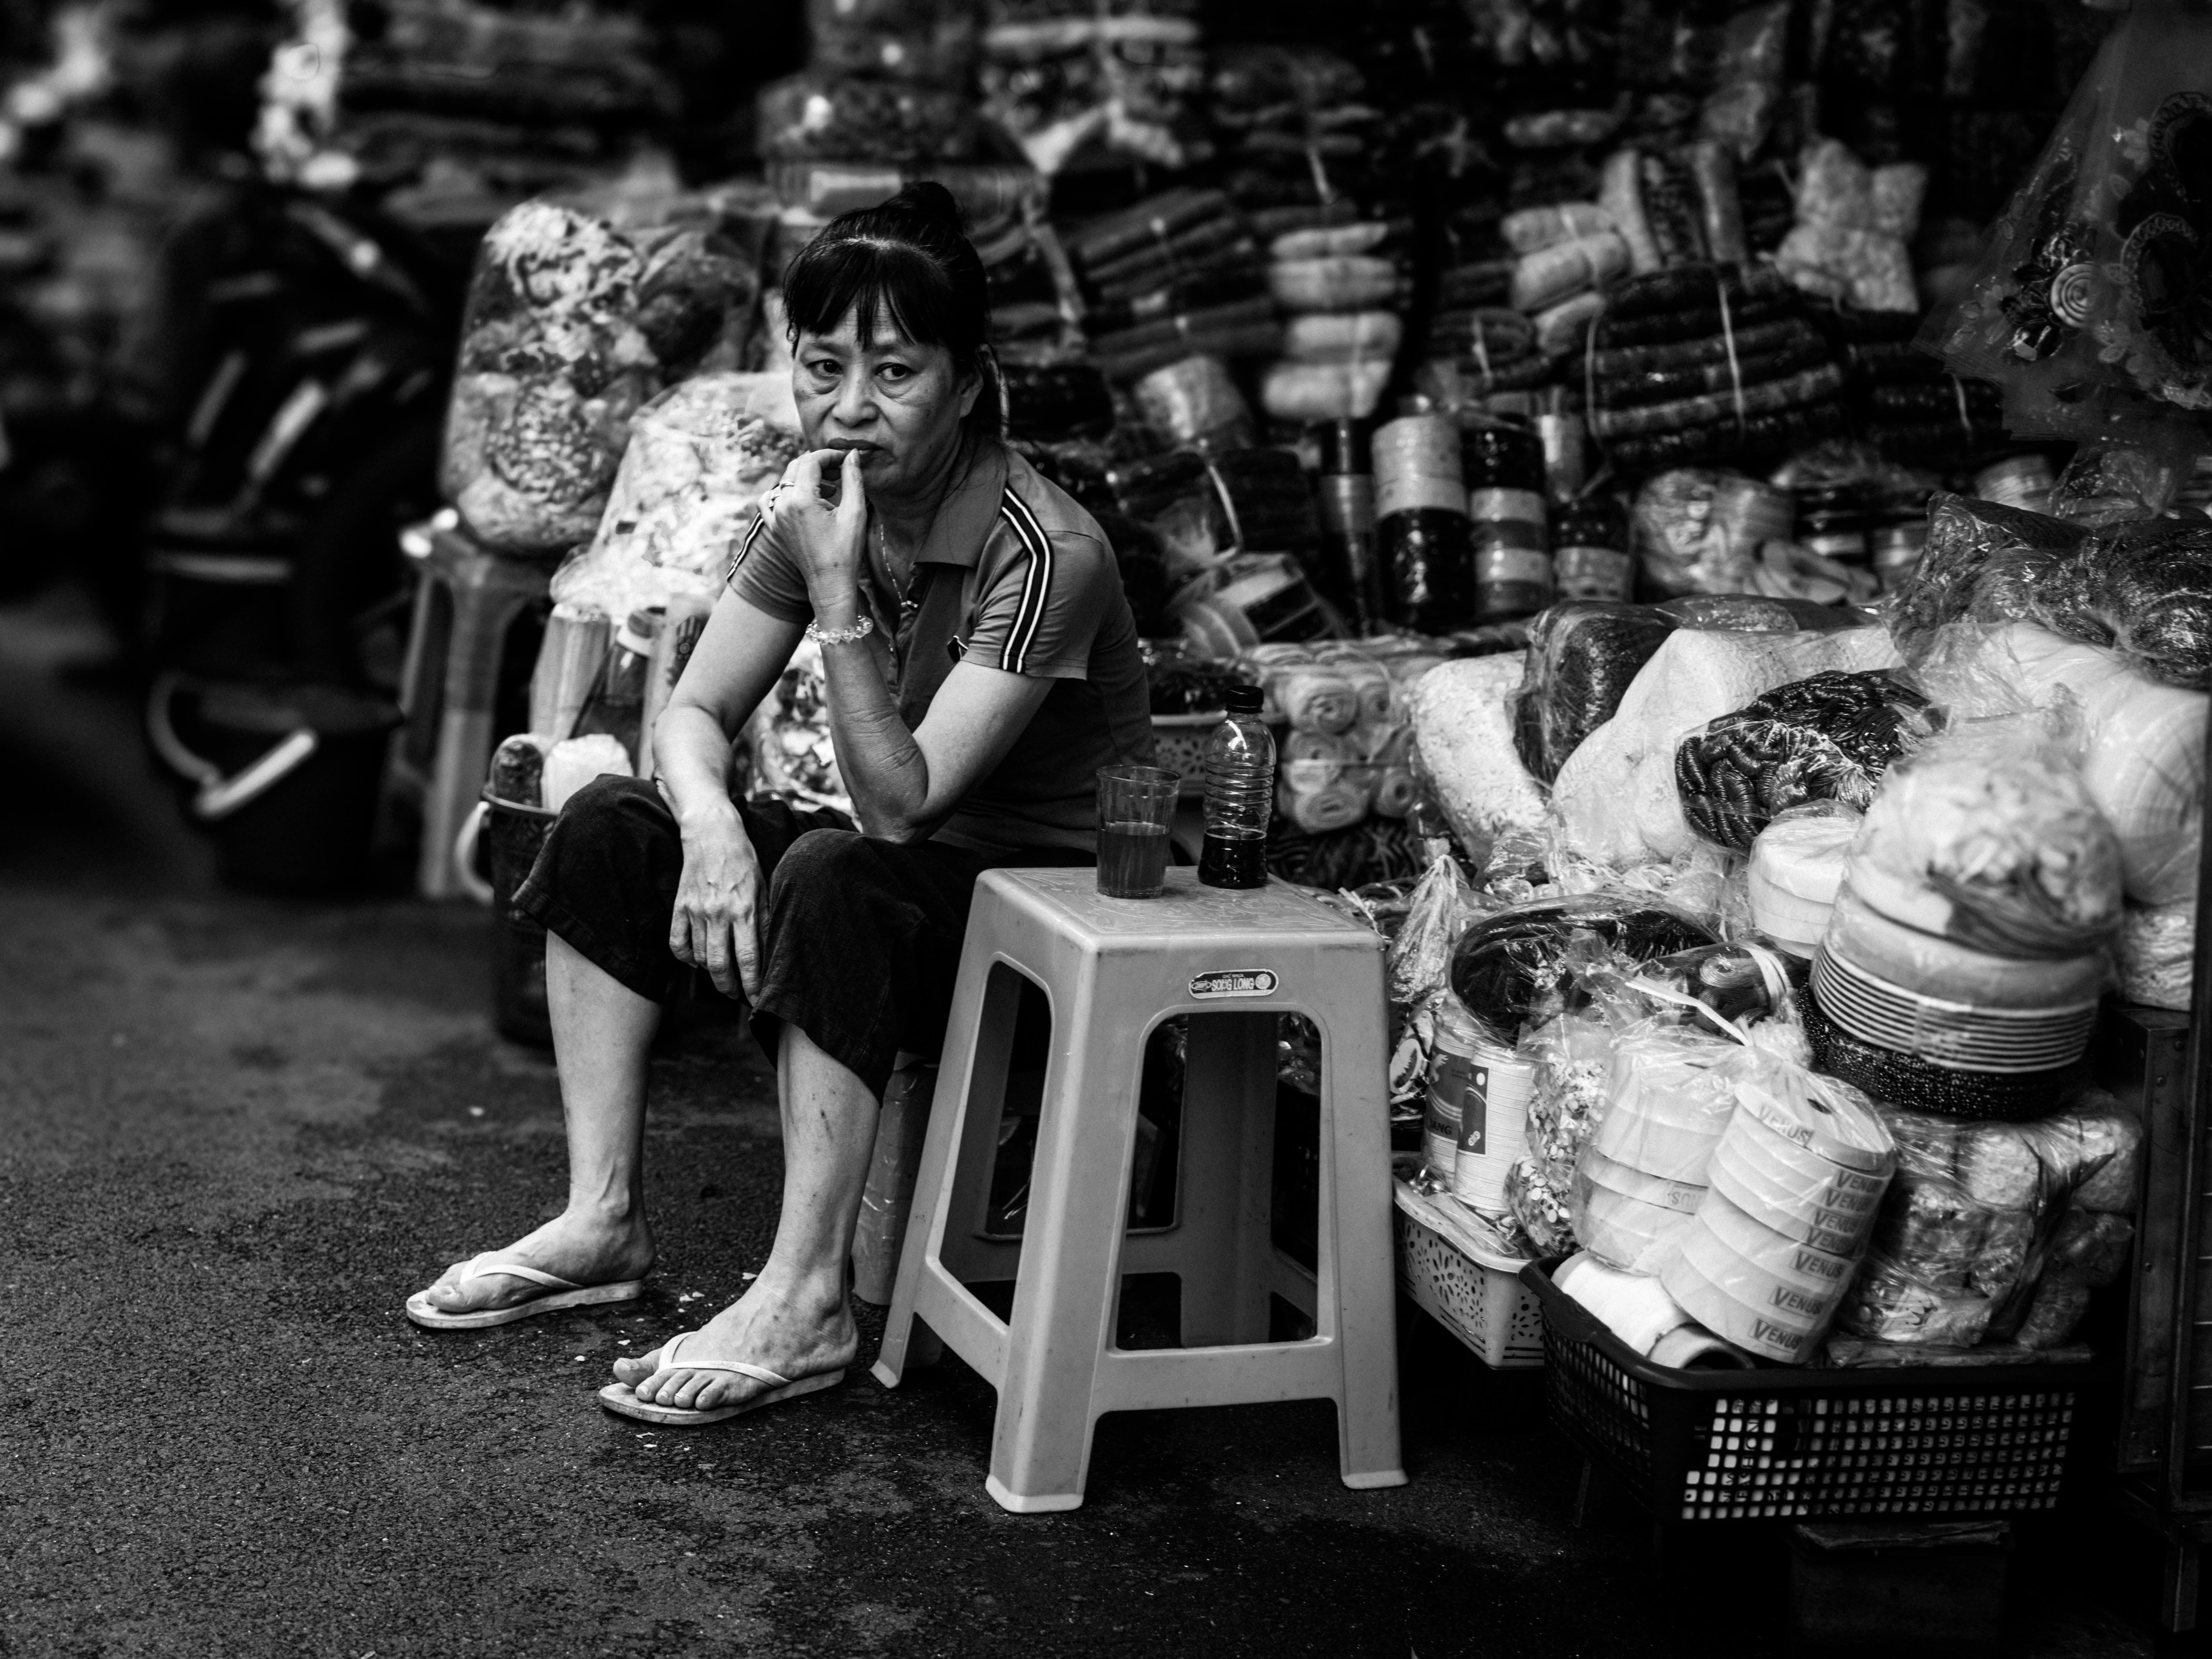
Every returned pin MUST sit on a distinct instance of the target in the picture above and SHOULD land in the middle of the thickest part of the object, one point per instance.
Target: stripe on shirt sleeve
(746, 547)
(1036, 582)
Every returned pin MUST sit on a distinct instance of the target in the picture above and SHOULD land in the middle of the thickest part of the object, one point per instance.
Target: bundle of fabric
(1908, 407)
(1180, 273)
(1342, 338)
(1205, 506)
(1293, 133)
(1474, 351)
(1070, 77)
(1677, 207)
(1562, 254)
(1979, 1217)
(1706, 362)
(2143, 589)
(1853, 225)
(1034, 302)
(341, 102)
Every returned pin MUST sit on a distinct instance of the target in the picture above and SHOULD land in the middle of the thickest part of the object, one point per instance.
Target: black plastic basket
(1705, 1446)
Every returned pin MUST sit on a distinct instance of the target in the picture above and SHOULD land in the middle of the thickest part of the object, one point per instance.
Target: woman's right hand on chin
(716, 925)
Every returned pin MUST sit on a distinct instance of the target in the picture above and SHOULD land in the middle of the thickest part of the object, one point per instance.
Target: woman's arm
(738, 658)
(905, 783)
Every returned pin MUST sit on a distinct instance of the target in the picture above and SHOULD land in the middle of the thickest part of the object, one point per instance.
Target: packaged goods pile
(1765, 744)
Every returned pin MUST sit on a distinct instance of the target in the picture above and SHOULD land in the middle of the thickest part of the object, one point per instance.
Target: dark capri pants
(861, 944)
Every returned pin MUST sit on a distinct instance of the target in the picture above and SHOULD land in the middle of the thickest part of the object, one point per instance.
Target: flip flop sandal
(618, 1398)
(559, 1293)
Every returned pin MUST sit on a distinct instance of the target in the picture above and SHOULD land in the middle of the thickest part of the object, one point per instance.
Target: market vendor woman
(982, 664)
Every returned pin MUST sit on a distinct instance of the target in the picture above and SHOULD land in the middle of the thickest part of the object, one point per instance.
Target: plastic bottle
(617, 705)
(1240, 789)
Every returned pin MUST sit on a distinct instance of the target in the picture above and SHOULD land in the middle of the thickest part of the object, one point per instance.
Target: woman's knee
(613, 830)
(822, 868)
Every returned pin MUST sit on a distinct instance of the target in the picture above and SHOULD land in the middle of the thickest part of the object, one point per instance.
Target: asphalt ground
(235, 1132)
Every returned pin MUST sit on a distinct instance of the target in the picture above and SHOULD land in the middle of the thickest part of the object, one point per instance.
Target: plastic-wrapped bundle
(1796, 870)
(1054, 403)
(2145, 590)
(1984, 562)
(1700, 532)
(1829, 738)
(1463, 735)
(1254, 500)
(1509, 968)
(794, 756)
(1796, 1179)
(573, 322)
(1640, 1175)
(1988, 836)
(1583, 656)
(2141, 744)
(2155, 953)
(1573, 1056)
(1972, 1216)
(1906, 1080)
(1616, 796)
(2088, 304)
(927, 41)
(818, 115)
(700, 457)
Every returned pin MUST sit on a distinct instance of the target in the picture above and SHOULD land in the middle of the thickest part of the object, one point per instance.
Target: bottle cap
(1243, 699)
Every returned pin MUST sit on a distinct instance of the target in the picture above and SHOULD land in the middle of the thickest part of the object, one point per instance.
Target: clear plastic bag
(1517, 967)
(1831, 737)
(1987, 835)
(1983, 562)
(2091, 304)
(2155, 955)
(700, 457)
(1440, 910)
(1583, 656)
(578, 313)
(1971, 1218)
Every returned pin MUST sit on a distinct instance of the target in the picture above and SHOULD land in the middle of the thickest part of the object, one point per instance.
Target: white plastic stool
(1112, 970)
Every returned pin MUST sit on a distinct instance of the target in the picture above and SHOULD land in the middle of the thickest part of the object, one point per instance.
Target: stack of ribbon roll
(1796, 1179)
(1295, 136)
(1477, 351)
(1907, 406)
(1562, 254)
(1642, 1173)
(1247, 501)
(1962, 963)
(1421, 522)
(1074, 81)
(1342, 335)
(1178, 273)
(1707, 364)
(1346, 747)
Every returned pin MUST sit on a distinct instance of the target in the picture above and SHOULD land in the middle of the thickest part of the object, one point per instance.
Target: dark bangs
(881, 281)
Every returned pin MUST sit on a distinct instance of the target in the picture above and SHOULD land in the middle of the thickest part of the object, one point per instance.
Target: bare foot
(796, 1331)
(582, 1247)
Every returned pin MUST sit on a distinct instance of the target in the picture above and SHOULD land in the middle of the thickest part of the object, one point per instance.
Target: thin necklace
(907, 606)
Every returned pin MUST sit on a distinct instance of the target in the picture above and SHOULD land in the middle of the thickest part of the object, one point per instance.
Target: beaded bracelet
(858, 630)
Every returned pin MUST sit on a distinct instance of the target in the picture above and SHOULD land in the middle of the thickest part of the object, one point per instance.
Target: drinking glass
(1135, 803)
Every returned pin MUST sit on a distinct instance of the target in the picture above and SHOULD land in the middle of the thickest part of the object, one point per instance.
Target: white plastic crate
(1475, 1295)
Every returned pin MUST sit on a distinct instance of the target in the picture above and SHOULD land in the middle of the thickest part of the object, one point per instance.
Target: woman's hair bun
(924, 198)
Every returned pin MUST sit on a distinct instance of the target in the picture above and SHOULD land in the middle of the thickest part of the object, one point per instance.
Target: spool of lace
(1590, 555)
(1421, 522)
(1195, 402)
(1345, 492)
(1506, 522)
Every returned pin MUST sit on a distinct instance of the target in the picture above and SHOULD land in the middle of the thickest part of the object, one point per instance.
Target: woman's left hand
(828, 542)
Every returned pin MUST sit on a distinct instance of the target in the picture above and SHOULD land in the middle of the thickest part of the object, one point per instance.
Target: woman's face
(899, 403)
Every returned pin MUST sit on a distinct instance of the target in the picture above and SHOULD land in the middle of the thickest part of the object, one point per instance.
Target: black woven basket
(1706, 1446)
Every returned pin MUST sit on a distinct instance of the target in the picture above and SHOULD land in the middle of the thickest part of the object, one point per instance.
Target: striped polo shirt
(1016, 576)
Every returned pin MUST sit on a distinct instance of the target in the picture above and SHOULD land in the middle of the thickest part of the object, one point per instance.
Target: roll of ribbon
(1792, 1261)
(1658, 1191)
(1782, 1337)
(1960, 1036)
(1780, 1210)
(1801, 1176)
(1628, 1232)
(1831, 1121)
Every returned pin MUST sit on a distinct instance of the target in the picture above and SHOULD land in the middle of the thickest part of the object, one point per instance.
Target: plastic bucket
(285, 778)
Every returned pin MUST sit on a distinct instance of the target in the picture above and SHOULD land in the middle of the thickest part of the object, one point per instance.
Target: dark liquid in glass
(1232, 858)
(1133, 859)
